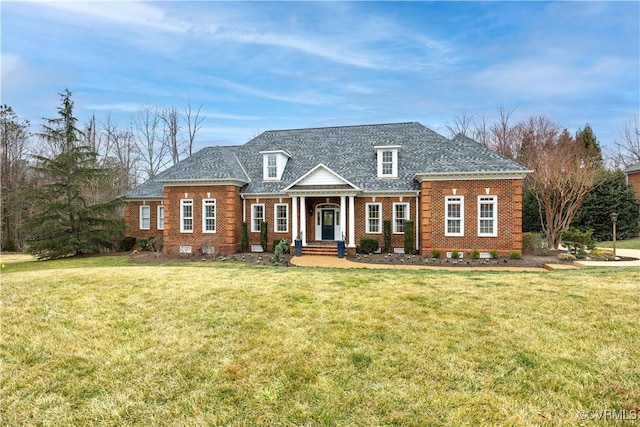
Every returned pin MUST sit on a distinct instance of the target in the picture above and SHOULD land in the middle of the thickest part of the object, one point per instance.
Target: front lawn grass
(213, 344)
(622, 244)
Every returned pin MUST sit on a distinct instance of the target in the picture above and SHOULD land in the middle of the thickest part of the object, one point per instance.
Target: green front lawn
(212, 344)
(622, 244)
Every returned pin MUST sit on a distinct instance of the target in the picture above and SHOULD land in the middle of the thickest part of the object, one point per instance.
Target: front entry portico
(327, 222)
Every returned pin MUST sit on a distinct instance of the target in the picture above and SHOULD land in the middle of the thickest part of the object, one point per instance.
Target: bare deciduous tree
(629, 144)
(171, 131)
(194, 123)
(462, 125)
(563, 173)
(14, 173)
(150, 146)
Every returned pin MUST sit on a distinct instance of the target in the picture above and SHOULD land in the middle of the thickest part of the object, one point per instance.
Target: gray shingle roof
(347, 150)
(633, 168)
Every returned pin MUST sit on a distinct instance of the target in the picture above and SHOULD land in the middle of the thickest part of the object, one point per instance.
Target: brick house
(633, 177)
(335, 183)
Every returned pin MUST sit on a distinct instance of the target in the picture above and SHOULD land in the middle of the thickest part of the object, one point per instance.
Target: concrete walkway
(632, 253)
(335, 262)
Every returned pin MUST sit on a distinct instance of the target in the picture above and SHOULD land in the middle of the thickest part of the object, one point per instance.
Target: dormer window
(388, 161)
(273, 163)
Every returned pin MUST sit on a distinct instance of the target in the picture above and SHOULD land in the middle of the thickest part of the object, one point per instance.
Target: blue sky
(277, 65)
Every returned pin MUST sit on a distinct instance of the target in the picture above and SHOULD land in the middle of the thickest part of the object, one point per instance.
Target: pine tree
(64, 224)
(588, 140)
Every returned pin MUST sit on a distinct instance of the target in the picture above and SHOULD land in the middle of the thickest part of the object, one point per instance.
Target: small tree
(564, 172)
(263, 235)
(244, 237)
(409, 237)
(386, 226)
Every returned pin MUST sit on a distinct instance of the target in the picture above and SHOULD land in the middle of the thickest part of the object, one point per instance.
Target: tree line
(569, 185)
(106, 158)
(61, 186)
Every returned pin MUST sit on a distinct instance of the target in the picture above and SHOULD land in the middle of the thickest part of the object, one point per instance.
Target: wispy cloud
(303, 97)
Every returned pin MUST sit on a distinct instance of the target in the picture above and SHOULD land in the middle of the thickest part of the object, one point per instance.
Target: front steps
(321, 248)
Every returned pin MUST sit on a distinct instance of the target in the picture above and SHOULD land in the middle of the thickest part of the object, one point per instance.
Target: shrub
(455, 255)
(409, 238)
(535, 243)
(279, 250)
(263, 235)
(126, 244)
(601, 254)
(493, 254)
(156, 243)
(369, 245)
(244, 237)
(386, 226)
(474, 254)
(276, 242)
(10, 246)
(515, 255)
(578, 241)
(435, 253)
(143, 244)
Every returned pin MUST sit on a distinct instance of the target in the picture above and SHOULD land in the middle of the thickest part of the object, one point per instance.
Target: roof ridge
(343, 126)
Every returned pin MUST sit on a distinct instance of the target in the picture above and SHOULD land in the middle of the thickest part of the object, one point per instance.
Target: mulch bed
(265, 259)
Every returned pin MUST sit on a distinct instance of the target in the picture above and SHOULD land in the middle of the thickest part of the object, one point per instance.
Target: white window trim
(204, 216)
(494, 202)
(368, 229)
(183, 203)
(158, 225)
(394, 153)
(275, 218)
(148, 209)
(456, 199)
(408, 218)
(253, 217)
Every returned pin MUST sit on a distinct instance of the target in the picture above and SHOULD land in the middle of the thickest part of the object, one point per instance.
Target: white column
(294, 220)
(343, 218)
(303, 220)
(352, 223)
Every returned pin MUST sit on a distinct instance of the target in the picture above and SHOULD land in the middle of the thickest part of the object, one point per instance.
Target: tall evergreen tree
(613, 195)
(64, 223)
(587, 139)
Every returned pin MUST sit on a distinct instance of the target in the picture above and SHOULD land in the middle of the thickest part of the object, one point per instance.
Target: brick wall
(132, 219)
(634, 181)
(509, 209)
(269, 213)
(226, 238)
(397, 240)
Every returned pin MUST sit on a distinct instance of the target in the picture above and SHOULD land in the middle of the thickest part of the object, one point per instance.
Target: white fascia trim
(322, 193)
(242, 167)
(144, 199)
(312, 170)
(275, 152)
(391, 193)
(470, 176)
(198, 182)
(387, 147)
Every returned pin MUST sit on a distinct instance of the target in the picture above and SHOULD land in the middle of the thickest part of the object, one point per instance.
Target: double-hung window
(487, 216)
(145, 217)
(374, 218)
(281, 215)
(454, 221)
(160, 217)
(272, 166)
(257, 217)
(209, 215)
(387, 161)
(400, 215)
(186, 215)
